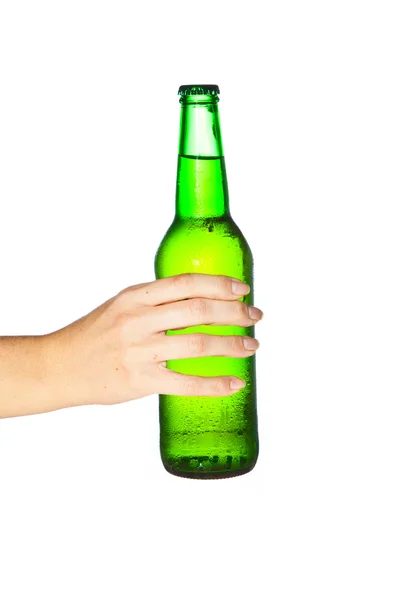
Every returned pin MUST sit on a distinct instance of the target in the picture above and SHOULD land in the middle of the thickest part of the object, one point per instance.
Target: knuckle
(183, 280)
(219, 386)
(191, 387)
(196, 344)
(236, 344)
(121, 321)
(241, 309)
(222, 287)
(127, 361)
(127, 326)
(131, 296)
(198, 306)
(120, 300)
(224, 283)
(124, 298)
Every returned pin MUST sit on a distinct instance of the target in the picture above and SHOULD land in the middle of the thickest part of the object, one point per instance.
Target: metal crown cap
(198, 90)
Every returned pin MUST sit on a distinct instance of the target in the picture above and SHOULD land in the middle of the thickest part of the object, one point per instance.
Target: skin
(118, 352)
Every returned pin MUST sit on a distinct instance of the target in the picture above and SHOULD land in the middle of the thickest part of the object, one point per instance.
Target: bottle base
(208, 474)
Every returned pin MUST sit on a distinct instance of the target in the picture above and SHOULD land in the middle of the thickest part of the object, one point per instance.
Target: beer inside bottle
(202, 436)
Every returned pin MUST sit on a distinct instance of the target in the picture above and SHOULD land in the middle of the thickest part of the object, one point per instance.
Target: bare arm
(28, 383)
(118, 352)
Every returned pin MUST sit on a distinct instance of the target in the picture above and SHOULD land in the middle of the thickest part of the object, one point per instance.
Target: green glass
(207, 437)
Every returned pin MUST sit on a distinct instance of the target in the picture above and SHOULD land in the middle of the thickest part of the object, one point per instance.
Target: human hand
(118, 352)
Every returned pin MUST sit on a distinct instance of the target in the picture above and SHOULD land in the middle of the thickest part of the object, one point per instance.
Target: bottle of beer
(207, 437)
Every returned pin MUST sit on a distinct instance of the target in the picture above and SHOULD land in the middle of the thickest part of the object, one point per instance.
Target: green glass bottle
(207, 437)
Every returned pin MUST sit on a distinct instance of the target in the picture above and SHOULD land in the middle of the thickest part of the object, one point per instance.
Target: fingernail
(239, 288)
(237, 384)
(251, 343)
(255, 313)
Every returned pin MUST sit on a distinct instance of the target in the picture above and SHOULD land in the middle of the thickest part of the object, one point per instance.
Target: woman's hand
(119, 351)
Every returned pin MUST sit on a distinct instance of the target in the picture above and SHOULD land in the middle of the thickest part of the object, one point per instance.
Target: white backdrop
(89, 118)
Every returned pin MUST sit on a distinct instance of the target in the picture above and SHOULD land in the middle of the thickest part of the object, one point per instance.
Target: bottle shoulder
(208, 245)
(218, 227)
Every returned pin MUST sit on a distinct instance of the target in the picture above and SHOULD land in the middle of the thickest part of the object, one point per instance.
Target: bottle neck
(201, 190)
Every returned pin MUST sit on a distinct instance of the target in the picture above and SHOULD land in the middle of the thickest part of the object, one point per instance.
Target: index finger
(191, 285)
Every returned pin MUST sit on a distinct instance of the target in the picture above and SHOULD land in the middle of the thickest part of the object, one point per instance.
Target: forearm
(29, 383)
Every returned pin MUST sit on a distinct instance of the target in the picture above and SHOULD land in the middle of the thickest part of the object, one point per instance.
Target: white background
(89, 118)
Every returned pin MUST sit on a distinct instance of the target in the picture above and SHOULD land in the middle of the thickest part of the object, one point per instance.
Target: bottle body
(208, 437)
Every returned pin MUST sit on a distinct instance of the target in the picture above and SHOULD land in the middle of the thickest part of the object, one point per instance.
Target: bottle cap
(198, 90)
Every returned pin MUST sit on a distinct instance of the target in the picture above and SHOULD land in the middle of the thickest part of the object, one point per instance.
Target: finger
(188, 285)
(175, 383)
(202, 311)
(194, 345)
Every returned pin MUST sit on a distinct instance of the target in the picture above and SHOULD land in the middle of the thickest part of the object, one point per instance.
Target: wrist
(25, 382)
(57, 372)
